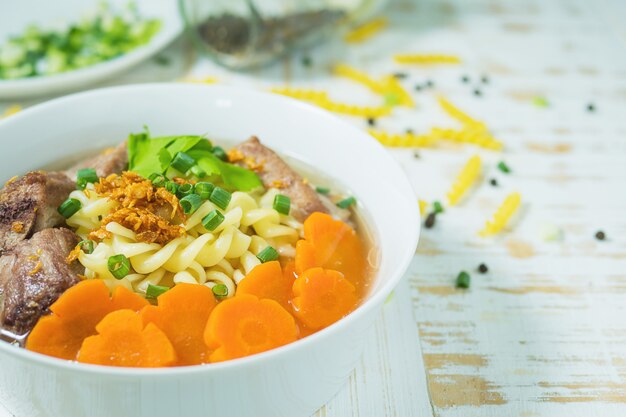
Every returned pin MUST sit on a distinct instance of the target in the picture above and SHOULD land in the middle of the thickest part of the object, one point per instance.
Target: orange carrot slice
(75, 316)
(268, 280)
(123, 341)
(182, 314)
(244, 325)
(331, 244)
(322, 296)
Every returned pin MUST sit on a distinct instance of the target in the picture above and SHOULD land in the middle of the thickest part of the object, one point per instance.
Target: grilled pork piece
(111, 161)
(35, 274)
(29, 204)
(274, 172)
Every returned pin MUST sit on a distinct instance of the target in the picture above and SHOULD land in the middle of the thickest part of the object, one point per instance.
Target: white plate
(16, 15)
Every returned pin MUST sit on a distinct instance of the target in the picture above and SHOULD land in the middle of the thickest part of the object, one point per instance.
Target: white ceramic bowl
(15, 16)
(292, 381)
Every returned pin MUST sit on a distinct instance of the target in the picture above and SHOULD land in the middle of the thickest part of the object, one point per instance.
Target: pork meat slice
(29, 204)
(275, 171)
(111, 161)
(35, 274)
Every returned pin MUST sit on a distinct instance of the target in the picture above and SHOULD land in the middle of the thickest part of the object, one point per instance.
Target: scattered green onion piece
(268, 254)
(171, 187)
(203, 189)
(463, 280)
(540, 102)
(220, 291)
(437, 207)
(212, 220)
(220, 153)
(87, 246)
(158, 180)
(190, 203)
(197, 171)
(154, 291)
(322, 190)
(282, 204)
(391, 99)
(69, 207)
(86, 176)
(220, 197)
(119, 266)
(502, 166)
(184, 190)
(346, 202)
(183, 162)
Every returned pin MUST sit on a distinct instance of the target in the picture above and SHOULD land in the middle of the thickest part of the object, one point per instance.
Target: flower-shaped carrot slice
(182, 314)
(322, 296)
(244, 325)
(123, 341)
(268, 280)
(331, 244)
(75, 316)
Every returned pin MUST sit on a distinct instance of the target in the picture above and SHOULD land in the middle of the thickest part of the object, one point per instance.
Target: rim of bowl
(370, 302)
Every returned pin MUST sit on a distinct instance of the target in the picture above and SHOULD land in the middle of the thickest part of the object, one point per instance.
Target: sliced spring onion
(212, 220)
(463, 280)
(190, 203)
(346, 202)
(86, 176)
(220, 197)
(69, 207)
(184, 190)
(282, 204)
(220, 153)
(119, 266)
(268, 254)
(183, 162)
(203, 189)
(322, 190)
(153, 291)
(158, 180)
(437, 207)
(502, 166)
(197, 171)
(87, 246)
(220, 291)
(171, 187)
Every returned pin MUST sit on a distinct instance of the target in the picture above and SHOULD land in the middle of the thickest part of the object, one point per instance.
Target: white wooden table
(543, 333)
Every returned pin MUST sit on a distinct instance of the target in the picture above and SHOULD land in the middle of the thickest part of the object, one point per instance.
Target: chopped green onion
(154, 291)
(268, 254)
(203, 189)
(69, 207)
(322, 190)
(220, 197)
(220, 291)
(119, 266)
(183, 162)
(87, 246)
(346, 202)
(197, 171)
(220, 153)
(184, 190)
(282, 204)
(212, 220)
(502, 166)
(540, 102)
(437, 207)
(86, 176)
(158, 180)
(190, 203)
(463, 280)
(171, 187)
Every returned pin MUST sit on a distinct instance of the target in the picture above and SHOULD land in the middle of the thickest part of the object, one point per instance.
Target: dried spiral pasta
(466, 178)
(478, 137)
(426, 59)
(402, 140)
(366, 30)
(458, 114)
(502, 216)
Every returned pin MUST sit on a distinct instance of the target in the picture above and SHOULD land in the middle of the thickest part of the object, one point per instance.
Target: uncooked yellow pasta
(353, 110)
(458, 114)
(391, 85)
(426, 59)
(360, 77)
(478, 137)
(366, 30)
(466, 178)
(502, 216)
(406, 140)
(423, 205)
(304, 94)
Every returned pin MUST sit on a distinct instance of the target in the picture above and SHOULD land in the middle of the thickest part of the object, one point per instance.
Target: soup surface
(170, 251)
